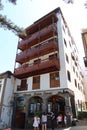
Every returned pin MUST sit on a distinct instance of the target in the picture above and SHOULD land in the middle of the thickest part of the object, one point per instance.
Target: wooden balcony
(41, 23)
(40, 50)
(22, 88)
(45, 66)
(37, 37)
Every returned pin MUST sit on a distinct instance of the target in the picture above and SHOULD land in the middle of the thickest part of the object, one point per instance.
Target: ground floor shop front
(28, 104)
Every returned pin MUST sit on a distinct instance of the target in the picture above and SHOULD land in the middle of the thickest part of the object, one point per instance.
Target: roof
(5, 74)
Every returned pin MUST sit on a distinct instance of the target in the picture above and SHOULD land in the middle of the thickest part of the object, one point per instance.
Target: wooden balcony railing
(43, 49)
(41, 23)
(39, 36)
(45, 66)
(22, 88)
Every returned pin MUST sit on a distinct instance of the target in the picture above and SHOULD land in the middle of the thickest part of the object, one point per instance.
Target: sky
(28, 11)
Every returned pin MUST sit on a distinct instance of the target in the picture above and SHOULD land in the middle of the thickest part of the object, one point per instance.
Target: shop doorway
(35, 106)
(56, 103)
(20, 112)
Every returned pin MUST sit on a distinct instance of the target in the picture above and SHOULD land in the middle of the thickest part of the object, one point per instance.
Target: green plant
(80, 115)
(39, 113)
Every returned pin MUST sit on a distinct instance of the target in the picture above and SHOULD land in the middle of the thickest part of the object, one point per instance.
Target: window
(75, 82)
(64, 29)
(49, 107)
(23, 85)
(73, 69)
(18, 87)
(68, 75)
(78, 86)
(69, 43)
(0, 87)
(35, 105)
(67, 59)
(52, 56)
(54, 79)
(65, 42)
(36, 82)
(73, 56)
(77, 74)
(37, 61)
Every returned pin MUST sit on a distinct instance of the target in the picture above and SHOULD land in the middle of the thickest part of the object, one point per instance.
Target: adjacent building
(84, 39)
(6, 98)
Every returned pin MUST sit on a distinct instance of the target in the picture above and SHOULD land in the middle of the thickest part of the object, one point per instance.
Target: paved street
(70, 128)
(81, 125)
(77, 128)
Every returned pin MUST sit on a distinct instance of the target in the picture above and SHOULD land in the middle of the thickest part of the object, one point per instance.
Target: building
(84, 39)
(47, 71)
(6, 98)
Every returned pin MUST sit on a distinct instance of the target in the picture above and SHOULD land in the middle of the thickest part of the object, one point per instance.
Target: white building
(47, 71)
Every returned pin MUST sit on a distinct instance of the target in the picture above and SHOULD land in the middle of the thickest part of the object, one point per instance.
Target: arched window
(35, 105)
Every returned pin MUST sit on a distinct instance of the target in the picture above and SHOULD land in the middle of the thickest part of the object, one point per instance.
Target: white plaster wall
(2, 85)
(6, 114)
(29, 82)
(16, 82)
(79, 95)
(45, 82)
(63, 81)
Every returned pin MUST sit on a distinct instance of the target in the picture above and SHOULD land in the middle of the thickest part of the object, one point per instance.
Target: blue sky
(28, 11)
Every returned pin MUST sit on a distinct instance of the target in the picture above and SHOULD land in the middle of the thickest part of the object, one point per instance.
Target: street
(81, 125)
(77, 128)
(70, 128)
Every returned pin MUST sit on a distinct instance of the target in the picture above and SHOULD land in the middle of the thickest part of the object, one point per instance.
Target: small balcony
(40, 50)
(44, 66)
(22, 88)
(85, 61)
(39, 36)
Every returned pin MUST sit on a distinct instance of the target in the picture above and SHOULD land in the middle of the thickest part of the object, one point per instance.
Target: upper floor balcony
(38, 37)
(37, 68)
(39, 50)
(41, 23)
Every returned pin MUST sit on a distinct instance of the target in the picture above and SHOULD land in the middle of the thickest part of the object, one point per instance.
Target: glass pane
(38, 106)
(49, 107)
